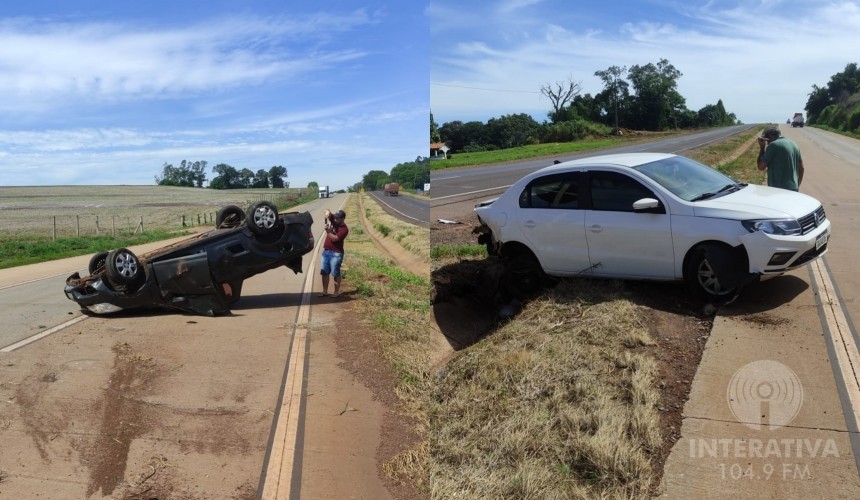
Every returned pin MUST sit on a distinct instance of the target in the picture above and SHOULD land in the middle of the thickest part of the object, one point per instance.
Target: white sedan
(649, 216)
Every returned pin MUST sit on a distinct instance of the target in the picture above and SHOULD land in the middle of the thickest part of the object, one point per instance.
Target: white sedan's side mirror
(645, 204)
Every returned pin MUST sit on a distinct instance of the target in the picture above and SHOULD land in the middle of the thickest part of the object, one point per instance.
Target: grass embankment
(543, 150)
(412, 238)
(562, 401)
(394, 305)
(31, 251)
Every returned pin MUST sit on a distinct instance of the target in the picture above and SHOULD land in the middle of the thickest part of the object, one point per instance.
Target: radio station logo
(765, 395)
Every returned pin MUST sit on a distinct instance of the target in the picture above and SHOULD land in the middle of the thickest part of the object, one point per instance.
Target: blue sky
(95, 92)
(490, 58)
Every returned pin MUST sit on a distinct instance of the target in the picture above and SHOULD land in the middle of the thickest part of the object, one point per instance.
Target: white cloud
(761, 59)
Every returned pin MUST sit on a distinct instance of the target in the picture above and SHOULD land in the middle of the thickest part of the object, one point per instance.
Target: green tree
(246, 178)
(434, 130)
(190, 174)
(469, 136)
(227, 178)
(615, 87)
(374, 179)
(276, 177)
(818, 100)
(413, 173)
(510, 131)
(261, 179)
(314, 185)
(658, 103)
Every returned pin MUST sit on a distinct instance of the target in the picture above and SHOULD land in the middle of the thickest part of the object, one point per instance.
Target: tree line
(642, 97)
(410, 174)
(837, 104)
(193, 174)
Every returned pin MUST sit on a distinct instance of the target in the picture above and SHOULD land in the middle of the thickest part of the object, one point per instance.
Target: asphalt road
(452, 186)
(407, 208)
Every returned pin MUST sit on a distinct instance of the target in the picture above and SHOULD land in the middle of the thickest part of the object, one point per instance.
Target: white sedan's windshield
(688, 179)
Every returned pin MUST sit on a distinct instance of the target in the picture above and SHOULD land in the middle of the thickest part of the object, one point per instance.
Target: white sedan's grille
(813, 220)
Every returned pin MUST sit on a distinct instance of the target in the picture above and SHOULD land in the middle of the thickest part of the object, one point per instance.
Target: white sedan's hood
(757, 202)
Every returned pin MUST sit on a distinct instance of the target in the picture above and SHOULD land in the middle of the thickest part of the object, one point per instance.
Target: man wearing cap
(332, 255)
(781, 158)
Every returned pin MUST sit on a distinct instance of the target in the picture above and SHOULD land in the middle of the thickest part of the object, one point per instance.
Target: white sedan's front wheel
(703, 279)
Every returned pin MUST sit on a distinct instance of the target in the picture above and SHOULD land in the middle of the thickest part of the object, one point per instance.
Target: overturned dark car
(200, 275)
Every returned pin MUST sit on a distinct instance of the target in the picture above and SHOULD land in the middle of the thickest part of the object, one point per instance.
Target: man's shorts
(330, 264)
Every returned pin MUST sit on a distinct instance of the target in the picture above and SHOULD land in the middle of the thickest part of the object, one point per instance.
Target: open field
(31, 211)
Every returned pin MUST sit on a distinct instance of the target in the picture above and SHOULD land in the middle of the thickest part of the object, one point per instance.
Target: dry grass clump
(559, 403)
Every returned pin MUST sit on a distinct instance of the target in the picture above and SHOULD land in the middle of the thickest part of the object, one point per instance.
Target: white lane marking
(847, 354)
(43, 334)
(471, 192)
(35, 280)
(279, 474)
(398, 211)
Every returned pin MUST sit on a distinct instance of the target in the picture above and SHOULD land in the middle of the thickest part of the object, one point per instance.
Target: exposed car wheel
(124, 270)
(263, 218)
(702, 278)
(229, 216)
(523, 277)
(97, 262)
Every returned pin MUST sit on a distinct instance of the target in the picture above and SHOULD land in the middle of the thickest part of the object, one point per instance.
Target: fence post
(198, 219)
(183, 220)
(54, 231)
(77, 225)
(139, 226)
(97, 225)
(113, 225)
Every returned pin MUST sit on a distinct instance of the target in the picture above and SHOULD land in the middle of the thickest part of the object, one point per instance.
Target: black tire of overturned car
(262, 218)
(98, 261)
(229, 216)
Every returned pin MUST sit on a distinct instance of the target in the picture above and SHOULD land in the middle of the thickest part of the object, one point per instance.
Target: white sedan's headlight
(773, 226)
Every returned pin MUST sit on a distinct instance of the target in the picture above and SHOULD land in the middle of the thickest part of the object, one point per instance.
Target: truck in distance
(392, 189)
(797, 121)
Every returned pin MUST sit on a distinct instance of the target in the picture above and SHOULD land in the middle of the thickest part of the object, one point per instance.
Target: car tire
(97, 262)
(523, 277)
(124, 270)
(701, 278)
(229, 216)
(263, 218)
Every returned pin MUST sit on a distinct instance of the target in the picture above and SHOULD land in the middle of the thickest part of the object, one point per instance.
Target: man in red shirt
(332, 255)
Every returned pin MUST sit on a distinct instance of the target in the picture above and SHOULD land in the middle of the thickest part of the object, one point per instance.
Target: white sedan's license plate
(821, 240)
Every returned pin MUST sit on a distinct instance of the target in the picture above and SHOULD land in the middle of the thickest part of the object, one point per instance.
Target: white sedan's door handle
(530, 223)
(595, 228)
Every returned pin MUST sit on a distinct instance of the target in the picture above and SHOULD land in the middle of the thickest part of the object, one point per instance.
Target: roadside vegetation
(563, 399)
(395, 309)
(836, 106)
(410, 237)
